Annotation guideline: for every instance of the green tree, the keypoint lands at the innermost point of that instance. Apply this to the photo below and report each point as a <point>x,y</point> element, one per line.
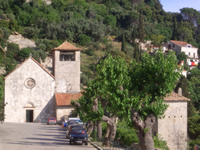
<point>9,64</point>
<point>12,50</point>
<point>183,57</point>
<point>174,35</point>
<point>84,39</point>
<point>123,43</point>
<point>151,79</point>
<point>191,15</point>
<point>194,86</point>
<point>141,27</point>
<point>157,39</point>
<point>194,130</point>
<point>24,53</point>
<point>184,85</point>
<point>105,95</point>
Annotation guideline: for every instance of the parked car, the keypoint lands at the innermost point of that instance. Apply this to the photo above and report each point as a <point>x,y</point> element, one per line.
<point>69,123</point>
<point>73,126</point>
<point>51,120</point>
<point>78,135</point>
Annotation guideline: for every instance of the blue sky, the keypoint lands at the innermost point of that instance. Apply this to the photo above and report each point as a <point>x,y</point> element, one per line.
<point>176,5</point>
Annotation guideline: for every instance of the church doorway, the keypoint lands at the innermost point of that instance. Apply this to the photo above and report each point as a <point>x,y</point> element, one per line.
<point>29,115</point>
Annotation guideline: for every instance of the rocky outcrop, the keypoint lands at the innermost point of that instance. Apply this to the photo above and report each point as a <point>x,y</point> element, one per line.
<point>21,41</point>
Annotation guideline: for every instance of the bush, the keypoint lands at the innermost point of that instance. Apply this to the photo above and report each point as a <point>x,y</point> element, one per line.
<point>110,20</point>
<point>84,39</point>
<point>12,50</point>
<point>194,130</point>
<point>126,133</point>
<point>90,52</point>
<point>84,79</point>
<point>160,143</point>
<point>24,53</point>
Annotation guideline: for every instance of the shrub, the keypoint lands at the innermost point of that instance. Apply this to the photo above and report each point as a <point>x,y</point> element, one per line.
<point>194,130</point>
<point>12,50</point>
<point>84,39</point>
<point>90,52</point>
<point>84,79</point>
<point>160,143</point>
<point>110,20</point>
<point>24,53</point>
<point>126,133</point>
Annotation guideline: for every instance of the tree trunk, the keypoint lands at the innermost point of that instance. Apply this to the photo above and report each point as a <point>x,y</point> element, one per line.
<point>144,130</point>
<point>99,130</point>
<point>89,128</point>
<point>106,141</point>
<point>111,130</point>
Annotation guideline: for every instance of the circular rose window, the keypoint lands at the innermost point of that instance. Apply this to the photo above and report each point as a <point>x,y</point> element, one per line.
<point>30,83</point>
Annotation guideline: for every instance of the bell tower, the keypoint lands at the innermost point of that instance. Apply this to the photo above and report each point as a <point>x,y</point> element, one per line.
<point>66,68</point>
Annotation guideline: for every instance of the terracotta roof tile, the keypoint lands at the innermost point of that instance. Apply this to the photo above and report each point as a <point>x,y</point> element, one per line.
<point>181,43</point>
<point>35,62</point>
<point>66,46</point>
<point>175,97</point>
<point>64,99</point>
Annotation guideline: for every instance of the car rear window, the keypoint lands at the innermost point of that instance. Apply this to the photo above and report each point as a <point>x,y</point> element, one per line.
<point>78,129</point>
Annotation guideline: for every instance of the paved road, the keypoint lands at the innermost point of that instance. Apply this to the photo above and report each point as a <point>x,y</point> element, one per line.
<point>35,136</point>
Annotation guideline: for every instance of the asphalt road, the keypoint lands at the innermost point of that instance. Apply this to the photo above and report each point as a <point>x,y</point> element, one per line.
<point>35,136</point>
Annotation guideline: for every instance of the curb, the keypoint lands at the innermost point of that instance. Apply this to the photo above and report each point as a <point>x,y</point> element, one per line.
<point>97,147</point>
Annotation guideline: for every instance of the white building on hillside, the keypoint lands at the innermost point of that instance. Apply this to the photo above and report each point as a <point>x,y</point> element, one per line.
<point>188,49</point>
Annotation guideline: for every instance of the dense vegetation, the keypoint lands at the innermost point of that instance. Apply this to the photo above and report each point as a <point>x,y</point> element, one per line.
<point>98,26</point>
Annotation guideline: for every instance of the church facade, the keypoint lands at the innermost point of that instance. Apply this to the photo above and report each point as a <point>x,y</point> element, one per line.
<point>32,94</point>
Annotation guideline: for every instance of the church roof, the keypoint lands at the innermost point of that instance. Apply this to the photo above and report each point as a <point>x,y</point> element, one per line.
<point>66,46</point>
<point>35,62</point>
<point>64,99</point>
<point>175,97</point>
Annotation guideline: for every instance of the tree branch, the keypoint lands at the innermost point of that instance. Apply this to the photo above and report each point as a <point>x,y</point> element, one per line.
<point>137,120</point>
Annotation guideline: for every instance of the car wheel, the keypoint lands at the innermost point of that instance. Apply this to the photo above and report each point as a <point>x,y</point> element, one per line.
<point>86,143</point>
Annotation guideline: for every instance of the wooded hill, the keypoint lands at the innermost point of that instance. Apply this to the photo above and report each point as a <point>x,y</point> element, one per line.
<point>93,24</point>
<point>97,26</point>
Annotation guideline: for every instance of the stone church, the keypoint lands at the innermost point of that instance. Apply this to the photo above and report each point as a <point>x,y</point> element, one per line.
<point>32,94</point>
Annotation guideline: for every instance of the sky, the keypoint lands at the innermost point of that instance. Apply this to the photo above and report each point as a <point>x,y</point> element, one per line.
<point>176,5</point>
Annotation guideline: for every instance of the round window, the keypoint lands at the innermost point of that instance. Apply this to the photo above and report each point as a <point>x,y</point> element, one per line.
<point>30,83</point>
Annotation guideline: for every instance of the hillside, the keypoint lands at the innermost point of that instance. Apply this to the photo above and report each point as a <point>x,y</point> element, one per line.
<point>99,28</point>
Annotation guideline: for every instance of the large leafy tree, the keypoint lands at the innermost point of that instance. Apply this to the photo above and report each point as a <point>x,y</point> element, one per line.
<point>138,95</point>
<point>151,79</point>
<point>106,95</point>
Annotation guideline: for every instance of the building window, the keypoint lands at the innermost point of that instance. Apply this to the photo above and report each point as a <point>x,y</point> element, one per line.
<point>173,45</point>
<point>29,83</point>
<point>67,56</point>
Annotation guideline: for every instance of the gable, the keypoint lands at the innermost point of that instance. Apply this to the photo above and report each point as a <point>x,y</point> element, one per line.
<point>24,64</point>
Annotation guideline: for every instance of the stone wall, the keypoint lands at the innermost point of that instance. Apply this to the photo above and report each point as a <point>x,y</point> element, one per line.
<point>63,111</point>
<point>173,128</point>
<point>29,87</point>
